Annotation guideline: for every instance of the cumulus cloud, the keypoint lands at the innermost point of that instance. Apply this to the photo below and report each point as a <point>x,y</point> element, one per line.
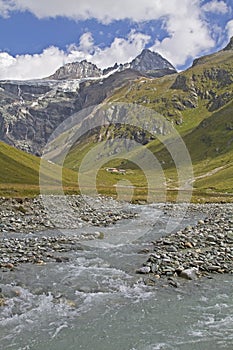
<point>38,66</point>
<point>103,10</point>
<point>30,66</point>
<point>188,34</point>
<point>5,8</point>
<point>121,50</point>
<point>215,6</point>
<point>6,60</point>
<point>229,28</point>
<point>86,43</point>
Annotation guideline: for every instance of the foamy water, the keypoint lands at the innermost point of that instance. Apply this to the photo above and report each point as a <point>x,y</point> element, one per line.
<point>96,301</point>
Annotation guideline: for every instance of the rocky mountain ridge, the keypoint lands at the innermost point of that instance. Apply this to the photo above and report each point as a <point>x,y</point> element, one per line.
<point>148,62</point>
<point>76,70</point>
<point>208,83</point>
<point>31,110</point>
<point>229,46</point>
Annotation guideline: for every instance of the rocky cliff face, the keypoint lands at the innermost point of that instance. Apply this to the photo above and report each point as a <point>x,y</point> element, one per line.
<point>31,111</point>
<point>213,84</point>
<point>149,62</point>
<point>77,70</point>
<point>229,46</point>
<point>210,79</point>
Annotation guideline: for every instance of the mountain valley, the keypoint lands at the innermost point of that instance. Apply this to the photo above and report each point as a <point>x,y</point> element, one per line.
<point>197,102</point>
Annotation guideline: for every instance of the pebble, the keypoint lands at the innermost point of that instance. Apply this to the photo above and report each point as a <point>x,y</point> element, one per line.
<point>189,274</point>
<point>2,302</point>
<point>195,251</point>
<point>144,270</point>
<point>29,215</point>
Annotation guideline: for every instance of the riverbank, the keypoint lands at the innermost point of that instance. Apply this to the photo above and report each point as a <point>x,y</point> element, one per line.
<point>28,216</point>
<point>192,252</point>
<point>65,286</point>
<point>196,251</point>
<point>25,215</point>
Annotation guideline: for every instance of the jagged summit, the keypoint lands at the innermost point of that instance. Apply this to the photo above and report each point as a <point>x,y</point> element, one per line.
<point>150,61</point>
<point>76,70</point>
<point>229,46</point>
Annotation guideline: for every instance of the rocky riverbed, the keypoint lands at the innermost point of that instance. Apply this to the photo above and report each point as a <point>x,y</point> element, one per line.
<point>195,251</point>
<point>27,216</point>
<point>67,285</point>
<point>192,252</point>
<point>48,212</point>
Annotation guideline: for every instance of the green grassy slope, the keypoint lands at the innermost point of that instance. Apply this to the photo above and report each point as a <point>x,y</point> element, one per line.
<point>185,98</point>
<point>199,103</point>
<point>18,167</point>
<point>19,175</point>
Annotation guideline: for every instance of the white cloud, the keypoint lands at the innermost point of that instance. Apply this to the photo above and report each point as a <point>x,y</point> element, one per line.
<point>229,28</point>
<point>6,60</point>
<point>188,34</point>
<point>103,10</point>
<point>215,6</point>
<point>6,7</point>
<point>86,43</point>
<point>30,66</point>
<point>37,66</point>
<point>107,10</point>
<point>121,50</point>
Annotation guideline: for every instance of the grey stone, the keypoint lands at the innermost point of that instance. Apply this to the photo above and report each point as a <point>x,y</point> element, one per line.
<point>189,274</point>
<point>144,270</point>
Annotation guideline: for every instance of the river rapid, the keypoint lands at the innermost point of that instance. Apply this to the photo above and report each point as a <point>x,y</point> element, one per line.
<point>96,300</point>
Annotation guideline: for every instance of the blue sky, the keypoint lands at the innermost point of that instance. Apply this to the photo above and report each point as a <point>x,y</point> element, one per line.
<point>37,37</point>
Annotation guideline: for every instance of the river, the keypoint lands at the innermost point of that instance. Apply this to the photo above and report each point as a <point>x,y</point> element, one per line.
<point>97,301</point>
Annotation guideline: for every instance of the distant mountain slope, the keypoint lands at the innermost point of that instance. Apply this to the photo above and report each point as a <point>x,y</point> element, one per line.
<point>148,62</point>
<point>18,166</point>
<point>76,70</point>
<point>205,87</point>
<point>31,110</point>
<point>213,137</point>
<point>152,63</point>
<point>199,103</point>
<point>210,144</point>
